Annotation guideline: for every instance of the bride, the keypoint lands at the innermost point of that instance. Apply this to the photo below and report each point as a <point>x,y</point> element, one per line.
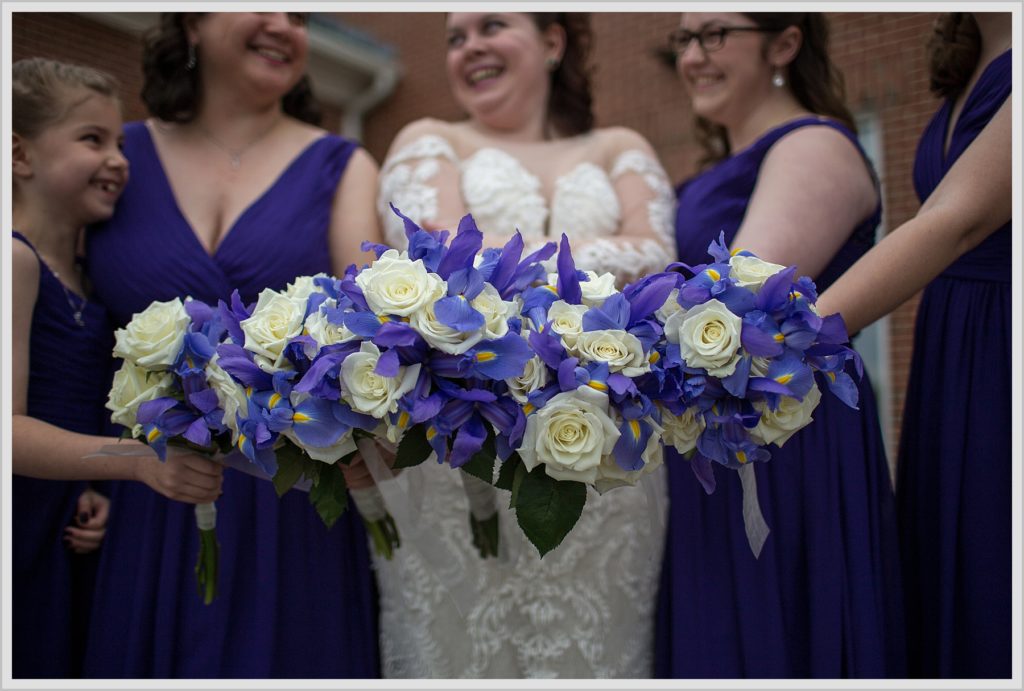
<point>526,158</point>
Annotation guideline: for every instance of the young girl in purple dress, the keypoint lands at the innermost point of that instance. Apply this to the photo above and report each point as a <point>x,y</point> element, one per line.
<point>68,171</point>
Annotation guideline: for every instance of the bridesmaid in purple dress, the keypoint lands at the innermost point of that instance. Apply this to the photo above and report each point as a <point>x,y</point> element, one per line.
<point>67,171</point>
<point>789,183</point>
<point>955,474</point>
<point>231,189</point>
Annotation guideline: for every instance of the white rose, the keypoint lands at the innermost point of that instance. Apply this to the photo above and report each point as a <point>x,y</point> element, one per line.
<point>368,392</point>
<point>620,349</point>
<point>303,286</point>
<point>395,285</point>
<point>230,395</point>
<point>276,320</point>
<point>133,386</point>
<point>791,416</point>
<point>682,431</point>
<point>670,307</point>
<point>495,310</point>
<point>441,336</point>
<point>708,336</point>
<point>570,435</point>
<point>595,290</point>
<point>567,321</point>
<point>611,475</point>
<point>759,366</point>
<point>325,332</point>
<point>534,377</point>
<point>153,338</point>
<point>751,272</point>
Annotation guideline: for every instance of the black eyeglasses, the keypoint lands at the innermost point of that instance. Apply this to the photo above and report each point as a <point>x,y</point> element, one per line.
<point>709,39</point>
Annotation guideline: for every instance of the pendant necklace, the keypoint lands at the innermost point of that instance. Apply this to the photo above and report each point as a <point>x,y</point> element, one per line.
<point>235,155</point>
<point>76,310</point>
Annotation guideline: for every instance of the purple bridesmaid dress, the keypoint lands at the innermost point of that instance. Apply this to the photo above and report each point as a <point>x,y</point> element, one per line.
<point>51,588</point>
<point>823,599</point>
<point>296,599</point>
<point>955,479</point>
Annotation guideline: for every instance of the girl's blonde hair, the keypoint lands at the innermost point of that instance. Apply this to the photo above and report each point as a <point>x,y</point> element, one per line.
<point>42,92</point>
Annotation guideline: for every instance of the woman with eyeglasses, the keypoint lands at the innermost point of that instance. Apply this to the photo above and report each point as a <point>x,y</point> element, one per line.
<point>786,179</point>
<point>235,187</point>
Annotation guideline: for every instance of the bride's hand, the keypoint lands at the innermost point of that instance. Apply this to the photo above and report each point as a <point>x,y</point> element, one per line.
<point>184,476</point>
<point>357,473</point>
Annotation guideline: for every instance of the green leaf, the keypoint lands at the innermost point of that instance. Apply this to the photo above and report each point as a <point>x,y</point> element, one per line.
<point>517,482</point>
<point>414,448</point>
<point>547,509</point>
<point>290,464</point>
<point>330,495</point>
<point>507,472</point>
<point>481,465</point>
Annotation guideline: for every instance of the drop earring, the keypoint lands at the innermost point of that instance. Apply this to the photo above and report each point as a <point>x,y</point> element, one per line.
<point>778,81</point>
<point>191,64</point>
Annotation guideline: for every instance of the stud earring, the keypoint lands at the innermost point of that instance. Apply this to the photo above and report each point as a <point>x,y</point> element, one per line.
<point>191,64</point>
<point>778,81</point>
<point>551,63</point>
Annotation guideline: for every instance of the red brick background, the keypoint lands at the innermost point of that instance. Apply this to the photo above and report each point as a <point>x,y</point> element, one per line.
<point>881,55</point>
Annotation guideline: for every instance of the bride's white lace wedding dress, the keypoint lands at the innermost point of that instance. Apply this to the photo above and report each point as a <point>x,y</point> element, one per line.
<point>587,608</point>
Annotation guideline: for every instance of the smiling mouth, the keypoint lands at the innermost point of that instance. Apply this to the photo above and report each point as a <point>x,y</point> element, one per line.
<point>479,75</point>
<point>272,54</point>
<point>109,186</point>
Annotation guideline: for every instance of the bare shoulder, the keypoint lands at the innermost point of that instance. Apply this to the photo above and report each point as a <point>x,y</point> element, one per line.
<point>424,127</point>
<point>362,163</point>
<point>615,141</point>
<point>819,148</point>
<point>24,263</point>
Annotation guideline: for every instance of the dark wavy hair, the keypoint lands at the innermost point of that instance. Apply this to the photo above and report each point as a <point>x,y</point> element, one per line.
<point>815,81</point>
<point>171,91</point>
<point>953,53</point>
<point>571,104</point>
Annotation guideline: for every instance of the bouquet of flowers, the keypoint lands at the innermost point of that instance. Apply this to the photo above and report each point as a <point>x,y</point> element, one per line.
<point>742,346</point>
<point>162,394</point>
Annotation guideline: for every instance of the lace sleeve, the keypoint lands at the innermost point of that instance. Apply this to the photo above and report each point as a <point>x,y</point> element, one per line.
<point>408,180</point>
<point>631,256</point>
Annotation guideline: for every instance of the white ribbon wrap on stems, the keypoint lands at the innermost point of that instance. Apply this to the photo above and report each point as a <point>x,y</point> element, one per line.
<point>370,503</point>
<point>753,520</point>
<point>206,516</point>
<point>481,497</point>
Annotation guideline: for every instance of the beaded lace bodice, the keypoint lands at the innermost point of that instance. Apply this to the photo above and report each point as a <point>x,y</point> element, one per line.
<point>502,195</point>
<point>587,608</point>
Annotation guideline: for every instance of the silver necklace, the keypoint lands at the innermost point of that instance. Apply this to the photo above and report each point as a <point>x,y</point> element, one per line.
<point>76,310</point>
<point>235,155</point>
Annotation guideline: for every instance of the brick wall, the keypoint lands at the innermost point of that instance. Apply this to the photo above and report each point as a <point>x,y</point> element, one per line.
<point>881,55</point>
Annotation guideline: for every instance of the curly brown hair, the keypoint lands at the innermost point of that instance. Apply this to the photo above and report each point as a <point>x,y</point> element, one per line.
<point>571,104</point>
<point>953,53</point>
<point>171,91</point>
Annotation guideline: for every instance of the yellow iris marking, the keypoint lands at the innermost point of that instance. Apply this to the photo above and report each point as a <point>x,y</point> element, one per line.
<point>655,356</point>
<point>779,338</point>
<point>485,356</point>
<point>153,435</point>
<point>735,251</point>
<point>741,457</point>
<point>634,426</point>
<point>274,400</point>
<point>431,432</point>
<point>784,378</point>
<point>553,289</point>
<point>528,408</point>
<point>403,419</point>
<point>714,274</point>
<point>384,320</point>
<point>300,418</point>
<point>241,440</point>
<point>831,375</point>
<point>248,392</point>
<point>597,385</point>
